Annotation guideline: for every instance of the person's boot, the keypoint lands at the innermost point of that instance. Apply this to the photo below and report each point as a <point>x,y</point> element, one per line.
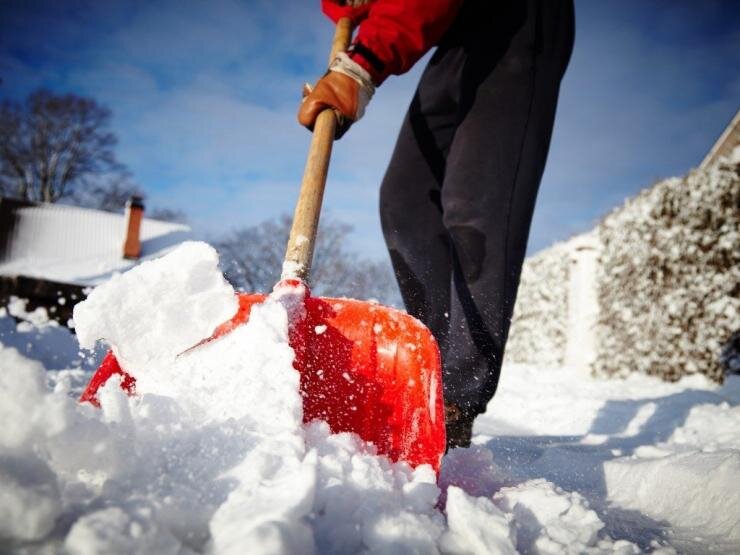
<point>459,427</point>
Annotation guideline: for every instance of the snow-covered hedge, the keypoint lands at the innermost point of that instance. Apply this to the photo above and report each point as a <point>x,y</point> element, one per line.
<point>538,327</point>
<point>669,275</point>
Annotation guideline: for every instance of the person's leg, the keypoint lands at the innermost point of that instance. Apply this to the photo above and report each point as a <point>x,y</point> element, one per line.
<point>496,77</point>
<point>492,175</point>
<point>411,192</point>
<point>410,195</point>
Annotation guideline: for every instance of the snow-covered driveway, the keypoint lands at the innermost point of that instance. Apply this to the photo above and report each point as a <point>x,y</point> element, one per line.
<point>212,456</point>
<point>658,462</point>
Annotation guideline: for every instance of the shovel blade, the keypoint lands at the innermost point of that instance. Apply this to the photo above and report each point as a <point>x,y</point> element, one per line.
<point>365,368</point>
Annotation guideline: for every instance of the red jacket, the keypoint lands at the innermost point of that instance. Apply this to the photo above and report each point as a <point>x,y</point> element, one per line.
<point>394,34</point>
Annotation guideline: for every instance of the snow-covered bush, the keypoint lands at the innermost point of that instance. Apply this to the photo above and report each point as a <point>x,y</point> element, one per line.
<point>669,275</point>
<point>538,327</point>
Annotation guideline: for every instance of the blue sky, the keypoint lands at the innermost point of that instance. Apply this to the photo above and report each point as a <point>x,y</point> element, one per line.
<point>204,96</point>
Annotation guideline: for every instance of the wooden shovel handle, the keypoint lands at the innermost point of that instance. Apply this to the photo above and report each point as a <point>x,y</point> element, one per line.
<point>299,253</point>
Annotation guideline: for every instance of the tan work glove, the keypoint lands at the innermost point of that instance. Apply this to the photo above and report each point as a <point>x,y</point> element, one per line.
<point>346,88</point>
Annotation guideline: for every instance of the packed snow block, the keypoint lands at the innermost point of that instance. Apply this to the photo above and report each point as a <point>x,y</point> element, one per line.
<point>476,526</point>
<point>692,489</point>
<point>158,309</point>
<point>711,427</point>
<point>549,520</point>
<point>668,277</point>
<point>539,324</point>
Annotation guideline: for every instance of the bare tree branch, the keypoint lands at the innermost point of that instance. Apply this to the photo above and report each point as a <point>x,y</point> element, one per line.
<point>108,193</point>
<point>52,145</point>
<point>252,261</point>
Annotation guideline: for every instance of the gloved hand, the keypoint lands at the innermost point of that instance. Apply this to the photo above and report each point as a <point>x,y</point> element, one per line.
<point>346,88</point>
<point>356,10</point>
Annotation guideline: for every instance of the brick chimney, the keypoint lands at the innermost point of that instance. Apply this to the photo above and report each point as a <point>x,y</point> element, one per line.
<point>134,215</point>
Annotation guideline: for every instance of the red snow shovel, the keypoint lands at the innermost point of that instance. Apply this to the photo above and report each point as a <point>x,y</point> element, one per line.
<point>365,368</point>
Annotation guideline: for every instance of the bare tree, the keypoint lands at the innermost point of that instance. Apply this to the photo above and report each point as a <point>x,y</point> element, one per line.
<point>53,143</point>
<point>111,192</point>
<point>168,215</point>
<point>252,261</point>
<point>58,147</point>
<point>252,257</point>
<point>108,193</point>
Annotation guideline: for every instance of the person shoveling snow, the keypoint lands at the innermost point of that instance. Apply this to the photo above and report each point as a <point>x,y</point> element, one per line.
<point>457,198</point>
<point>462,285</point>
<point>219,447</point>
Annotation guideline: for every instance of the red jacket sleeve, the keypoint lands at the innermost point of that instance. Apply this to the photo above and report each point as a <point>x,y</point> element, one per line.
<point>396,33</point>
<point>336,11</point>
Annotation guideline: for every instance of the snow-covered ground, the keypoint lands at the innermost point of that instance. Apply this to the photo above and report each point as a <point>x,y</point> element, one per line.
<point>658,462</point>
<point>212,456</point>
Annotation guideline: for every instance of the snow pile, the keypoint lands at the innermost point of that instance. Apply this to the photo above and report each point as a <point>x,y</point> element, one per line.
<point>702,459</point>
<point>212,455</point>
<point>538,326</point>
<point>541,510</point>
<point>668,277</point>
<point>658,462</point>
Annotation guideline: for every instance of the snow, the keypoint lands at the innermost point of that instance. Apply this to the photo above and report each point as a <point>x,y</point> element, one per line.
<point>37,337</point>
<point>476,525</point>
<point>654,459</point>
<point>212,455</point>
<point>190,295</point>
<point>77,245</point>
<point>291,269</point>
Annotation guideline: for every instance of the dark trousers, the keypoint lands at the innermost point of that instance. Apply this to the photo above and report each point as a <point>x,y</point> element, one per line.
<point>457,199</point>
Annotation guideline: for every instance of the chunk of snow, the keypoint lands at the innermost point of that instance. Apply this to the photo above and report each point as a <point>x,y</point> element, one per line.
<point>291,269</point>
<point>38,317</point>
<point>667,488</point>
<point>158,309</point>
<point>476,526</point>
<point>30,500</point>
<point>550,520</point>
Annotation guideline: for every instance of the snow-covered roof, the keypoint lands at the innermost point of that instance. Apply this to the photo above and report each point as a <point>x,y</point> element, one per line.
<point>74,245</point>
<point>727,144</point>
